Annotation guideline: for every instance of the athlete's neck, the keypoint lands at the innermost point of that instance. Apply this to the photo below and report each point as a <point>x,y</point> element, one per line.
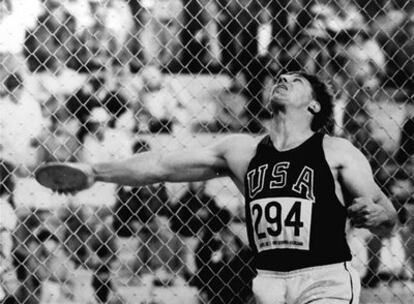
<point>287,132</point>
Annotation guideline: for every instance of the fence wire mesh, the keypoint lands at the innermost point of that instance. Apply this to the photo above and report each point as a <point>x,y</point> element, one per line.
<point>99,80</point>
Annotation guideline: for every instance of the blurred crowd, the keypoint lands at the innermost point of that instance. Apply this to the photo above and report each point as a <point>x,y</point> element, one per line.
<point>144,240</point>
<point>81,79</point>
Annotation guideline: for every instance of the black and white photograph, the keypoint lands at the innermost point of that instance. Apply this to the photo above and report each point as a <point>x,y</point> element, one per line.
<point>206,152</point>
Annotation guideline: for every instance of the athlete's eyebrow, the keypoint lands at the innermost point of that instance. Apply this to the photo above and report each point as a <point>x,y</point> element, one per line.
<point>304,80</point>
<point>297,77</point>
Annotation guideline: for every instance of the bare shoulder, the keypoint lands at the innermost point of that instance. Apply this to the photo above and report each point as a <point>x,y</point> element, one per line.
<point>238,150</point>
<point>238,146</point>
<point>339,150</point>
<point>337,144</point>
<point>243,141</point>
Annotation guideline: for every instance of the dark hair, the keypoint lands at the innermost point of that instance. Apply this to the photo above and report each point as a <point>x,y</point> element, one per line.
<point>323,95</point>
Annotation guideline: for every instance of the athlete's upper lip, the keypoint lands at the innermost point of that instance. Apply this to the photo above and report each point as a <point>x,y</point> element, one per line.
<point>281,85</point>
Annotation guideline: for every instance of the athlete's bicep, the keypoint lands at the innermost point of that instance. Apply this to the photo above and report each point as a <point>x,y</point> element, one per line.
<point>152,167</point>
<point>227,157</point>
<point>356,175</point>
<point>193,165</point>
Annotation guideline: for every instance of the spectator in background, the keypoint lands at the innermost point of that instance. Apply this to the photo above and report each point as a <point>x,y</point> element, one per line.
<point>25,260</point>
<point>137,12</point>
<point>142,212</point>
<point>98,43</point>
<point>208,36</point>
<point>161,256</point>
<point>228,33</point>
<point>405,151</point>
<point>371,9</point>
<point>54,269</point>
<point>48,45</point>
<point>17,17</point>
<point>133,55</point>
<point>86,98</point>
<point>256,21</point>
<point>8,222</point>
<point>335,16</point>
<point>361,135</point>
<point>229,115</point>
<point>366,60</point>
<point>93,135</point>
<point>224,274</point>
<point>136,206</point>
<point>99,141</point>
<point>132,89</point>
<point>77,230</point>
<point>193,50</point>
<point>401,191</point>
<point>114,102</point>
<point>117,18</point>
<point>160,34</point>
<point>158,108</point>
<point>104,38</point>
<point>59,142</point>
<point>21,122</point>
<point>291,23</point>
<point>194,209</point>
<point>398,47</point>
<point>126,84</point>
<point>213,37</point>
<point>25,263</point>
<point>103,250</point>
<point>360,56</point>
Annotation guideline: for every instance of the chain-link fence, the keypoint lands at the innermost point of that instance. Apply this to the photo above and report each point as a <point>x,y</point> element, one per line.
<point>99,80</point>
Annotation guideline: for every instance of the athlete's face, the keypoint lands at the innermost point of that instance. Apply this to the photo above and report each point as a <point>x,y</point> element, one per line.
<point>291,90</point>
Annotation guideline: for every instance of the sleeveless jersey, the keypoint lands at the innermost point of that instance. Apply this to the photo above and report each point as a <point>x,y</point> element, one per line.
<point>294,218</point>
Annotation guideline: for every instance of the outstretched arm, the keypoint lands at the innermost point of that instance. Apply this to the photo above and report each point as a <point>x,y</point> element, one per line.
<point>370,208</point>
<point>153,167</point>
<point>228,157</point>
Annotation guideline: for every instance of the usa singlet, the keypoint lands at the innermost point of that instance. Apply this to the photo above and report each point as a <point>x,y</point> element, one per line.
<point>293,215</point>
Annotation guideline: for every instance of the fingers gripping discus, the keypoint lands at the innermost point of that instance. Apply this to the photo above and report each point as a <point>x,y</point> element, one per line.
<point>65,177</point>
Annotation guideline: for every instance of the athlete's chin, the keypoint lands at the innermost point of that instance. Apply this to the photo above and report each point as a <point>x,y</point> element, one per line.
<point>277,104</point>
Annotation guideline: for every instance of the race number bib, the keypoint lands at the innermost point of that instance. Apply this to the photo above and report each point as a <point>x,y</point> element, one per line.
<point>283,222</point>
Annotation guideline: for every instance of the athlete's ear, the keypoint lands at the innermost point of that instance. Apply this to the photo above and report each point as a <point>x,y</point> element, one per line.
<point>314,107</point>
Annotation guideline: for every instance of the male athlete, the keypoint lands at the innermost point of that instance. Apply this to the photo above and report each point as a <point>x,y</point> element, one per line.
<point>299,185</point>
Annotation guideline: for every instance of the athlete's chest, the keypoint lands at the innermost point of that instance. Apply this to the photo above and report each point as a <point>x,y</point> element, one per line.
<point>282,177</point>
<point>281,195</point>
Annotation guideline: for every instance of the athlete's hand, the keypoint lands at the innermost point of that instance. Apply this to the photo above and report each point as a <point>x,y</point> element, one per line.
<point>87,169</point>
<point>364,213</point>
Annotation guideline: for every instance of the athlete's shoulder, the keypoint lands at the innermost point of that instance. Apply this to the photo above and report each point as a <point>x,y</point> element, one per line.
<point>239,142</point>
<point>237,150</point>
<point>337,144</point>
<point>340,149</point>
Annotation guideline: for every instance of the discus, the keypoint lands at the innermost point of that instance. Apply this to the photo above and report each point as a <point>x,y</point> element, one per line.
<point>64,177</point>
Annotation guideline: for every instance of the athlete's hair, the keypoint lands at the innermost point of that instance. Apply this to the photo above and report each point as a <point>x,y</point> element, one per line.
<point>322,94</point>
